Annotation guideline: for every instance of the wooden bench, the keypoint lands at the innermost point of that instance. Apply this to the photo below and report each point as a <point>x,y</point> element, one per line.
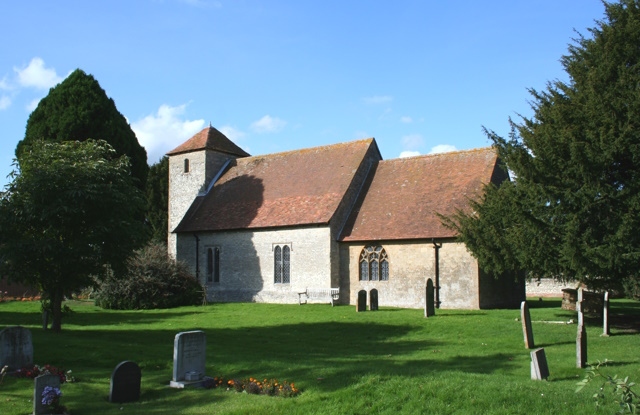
<point>325,294</point>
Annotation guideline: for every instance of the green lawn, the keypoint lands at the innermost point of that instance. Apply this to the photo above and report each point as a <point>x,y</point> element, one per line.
<point>391,361</point>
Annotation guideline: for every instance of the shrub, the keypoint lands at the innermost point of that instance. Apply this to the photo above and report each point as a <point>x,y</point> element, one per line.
<point>152,280</point>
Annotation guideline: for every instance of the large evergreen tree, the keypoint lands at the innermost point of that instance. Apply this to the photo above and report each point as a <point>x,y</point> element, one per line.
<point>71,208</point>
<point>78,109</point>
<point>573,209</point>
<point>158,200</point>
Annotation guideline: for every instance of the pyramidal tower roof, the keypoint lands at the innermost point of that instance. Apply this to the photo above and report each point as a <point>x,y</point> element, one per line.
<point>209,139</point>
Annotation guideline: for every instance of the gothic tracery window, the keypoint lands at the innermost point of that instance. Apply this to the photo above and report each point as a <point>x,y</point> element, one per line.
<point>374,264</point>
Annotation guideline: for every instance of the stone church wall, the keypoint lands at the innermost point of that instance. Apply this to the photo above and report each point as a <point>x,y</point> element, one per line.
<point>410,264</point>
<point>247,263</point>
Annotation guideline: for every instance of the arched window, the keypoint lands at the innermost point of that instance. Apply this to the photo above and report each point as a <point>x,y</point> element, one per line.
<point>186,165</point>
<point>282,264</point>
<point>277,265</point>
<point>374,264</point>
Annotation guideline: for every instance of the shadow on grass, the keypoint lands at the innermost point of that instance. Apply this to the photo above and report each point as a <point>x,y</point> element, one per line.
<point>544,303</point>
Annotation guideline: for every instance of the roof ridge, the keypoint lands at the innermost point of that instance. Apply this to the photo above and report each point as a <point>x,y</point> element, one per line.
<point>444,154</point>
<point>308,149</point>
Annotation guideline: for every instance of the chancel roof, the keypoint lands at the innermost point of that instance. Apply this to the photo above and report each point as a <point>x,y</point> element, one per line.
<point>284,189</point>
<point>209,139</point>
<point>403,196</point>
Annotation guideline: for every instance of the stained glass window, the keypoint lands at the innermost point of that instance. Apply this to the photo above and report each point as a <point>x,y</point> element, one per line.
<point>216,265</point>
<point>374,264</point>
<point>209,265</point>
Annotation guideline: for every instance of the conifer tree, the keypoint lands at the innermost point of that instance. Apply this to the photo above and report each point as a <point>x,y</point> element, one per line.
<point>573,208</point>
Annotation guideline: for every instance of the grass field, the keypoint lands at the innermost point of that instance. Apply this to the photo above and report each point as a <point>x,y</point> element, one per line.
<point>392,361</point>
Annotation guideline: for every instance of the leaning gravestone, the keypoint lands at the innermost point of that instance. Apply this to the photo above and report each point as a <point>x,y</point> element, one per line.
<point>526,325</point>
<point>581,338</point>
<point>362,301</point>
<point>189,349</point>
<point>373,300</point>
<point>429,303</point>
<point>539,368</point>
<point>125,383</point>
<point>16,348</point>
<point>39,384</point>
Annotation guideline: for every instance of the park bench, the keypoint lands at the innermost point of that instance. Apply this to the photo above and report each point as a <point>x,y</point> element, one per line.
<point>320,294</point>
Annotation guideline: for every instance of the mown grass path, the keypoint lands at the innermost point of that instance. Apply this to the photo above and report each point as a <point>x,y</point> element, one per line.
<point>391,361</point>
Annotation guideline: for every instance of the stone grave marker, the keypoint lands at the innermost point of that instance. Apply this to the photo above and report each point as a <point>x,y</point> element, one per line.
<point>125,383</point>
<point>581,347</point>
<point>362,301</point>
<point>429,303</point>
<point>373,300</point>
<point>16,348</point>
<point>606,330</point>
<point>580,307</point>
<point>526,325</point>
<point>539,368</point>
<point>39,384</point>
<point>189,349</point>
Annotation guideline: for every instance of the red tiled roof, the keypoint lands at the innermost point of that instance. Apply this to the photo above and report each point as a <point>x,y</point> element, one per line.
<point>283,189</point>
<point>210,139</point>
<point>405,194</point>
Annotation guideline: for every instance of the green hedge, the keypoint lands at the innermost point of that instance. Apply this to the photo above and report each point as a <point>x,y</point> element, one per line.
<point>153,280</point>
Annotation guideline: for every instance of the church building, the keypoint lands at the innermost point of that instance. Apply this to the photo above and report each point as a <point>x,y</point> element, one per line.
<point>265,228</point>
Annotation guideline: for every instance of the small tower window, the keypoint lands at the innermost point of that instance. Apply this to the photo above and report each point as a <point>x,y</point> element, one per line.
<point>186,165</point>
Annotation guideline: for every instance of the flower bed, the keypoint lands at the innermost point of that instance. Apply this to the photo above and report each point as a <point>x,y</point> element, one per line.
<point>270,387</point>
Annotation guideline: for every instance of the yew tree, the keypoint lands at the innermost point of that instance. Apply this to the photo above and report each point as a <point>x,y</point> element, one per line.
<point>71,208</point>
<point>573,208</point>
<point>78,109</point>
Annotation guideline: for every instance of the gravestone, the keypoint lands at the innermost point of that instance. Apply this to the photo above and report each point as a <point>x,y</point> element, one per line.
<point>16,348</point>
<point>373,300</point>
<point>362,301</point>
<point>429,303</point>
<point>606,331</point>
<point>39,384</point>
<point>539,367</point>
<point>189,349</point>
<point>580,307</point>
<point>125,383</point>
<point>526,325</point>
<point>581,348</point>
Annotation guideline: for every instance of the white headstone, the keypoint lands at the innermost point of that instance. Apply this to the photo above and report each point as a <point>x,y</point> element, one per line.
<point>39,384</point>
<point>189,349</point>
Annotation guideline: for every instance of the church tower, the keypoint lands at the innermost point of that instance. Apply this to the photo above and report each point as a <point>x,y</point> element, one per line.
<point>193,166</point>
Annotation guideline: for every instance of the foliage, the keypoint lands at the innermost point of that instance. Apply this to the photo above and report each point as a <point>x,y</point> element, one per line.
<point>35,371</point>
<point>152,280</point>
<point>51,398</point>
<point>573,210</point>
<point>70,208</point>
<point>624,396</point>
<point>157,192</point>
<point>78,109</point>
<point>252,386</point>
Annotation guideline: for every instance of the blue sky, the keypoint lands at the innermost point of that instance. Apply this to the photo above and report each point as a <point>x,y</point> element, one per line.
<point>419,76</point>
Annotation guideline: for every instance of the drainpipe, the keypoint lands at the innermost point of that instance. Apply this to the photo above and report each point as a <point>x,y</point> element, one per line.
<point>436,250</point>
<point>197,257</point>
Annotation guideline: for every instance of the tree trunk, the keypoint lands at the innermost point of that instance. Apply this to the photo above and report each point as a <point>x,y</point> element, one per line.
<point>56,310</point>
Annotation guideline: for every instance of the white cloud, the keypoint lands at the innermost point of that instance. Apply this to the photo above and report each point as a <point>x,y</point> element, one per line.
<point>442,148</point>
<point>268,124</point>
<point>377,99</point>
<point>5,102</point>
<point>4,85</point>
<point>35,75</point>
<point>234,135</point>
<point>165,130</point>
<point>33,104</point>
<point>406,120</point>
<point>412,141</point>
<point>409,154</point>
